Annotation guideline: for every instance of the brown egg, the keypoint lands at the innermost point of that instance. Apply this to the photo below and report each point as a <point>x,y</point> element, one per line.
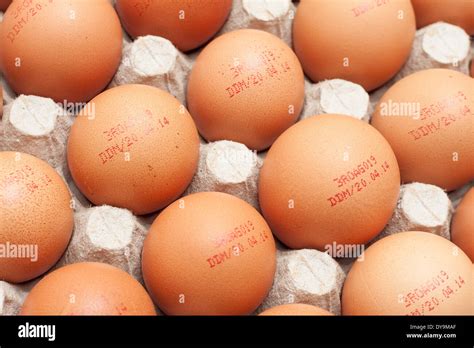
<point>246,86</point>
<point>295,309</point>
<point>88,288</point>
<point>36,218</point>
<point>186,23</point>
<point>458,12</point>
<point>1,100</point>
<point>338,39</point>
<point>133,147</point>
<point>209,253</point>
<point>410,273</point>
<point>329,178</point>
<point>462,226</point>
<point>4,4</point>
<point>65,50</point>
<point>428,119</point>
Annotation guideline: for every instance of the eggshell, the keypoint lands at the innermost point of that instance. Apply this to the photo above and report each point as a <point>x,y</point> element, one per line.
<point>88,288</point>
<point>64,50</point>
<point>338,39</point>
<point>295,309</point>
<point>329,178</point>
<point>1,100</point>
<point>4,4</point>
<point>428,119</point>
<point>209,253</point>
<point>462,227</point>
<point>458,12</point>
<point>36,218</point>
<point>246,86</point>
<point>410,273</point>
<point>134,147</point>
<point>186,23</point>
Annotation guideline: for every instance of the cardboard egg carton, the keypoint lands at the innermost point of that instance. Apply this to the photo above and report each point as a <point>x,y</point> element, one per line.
<point>306,276</point>
<point>154,61</point>
<point>107,234</point>
<point>420,207</point>
<point>12,296</point>
<point>228,166</point>
<point>275,17</point>
<point>336,97</point>
<point>37,126</point>
<point>436,46</point>
<point>112,235</point>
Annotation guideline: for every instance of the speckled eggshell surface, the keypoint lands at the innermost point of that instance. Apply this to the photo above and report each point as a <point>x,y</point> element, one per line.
<point>209,253</point>
<point>186,23</point>
<point>410,273</point>
<point>360,41</point>
<point>328,178</point>
<point>36,219</point>
<point>133,147</point>
<point>428,119</point>
<point>462,225</point>
<point>88,288</point>
<point>457,12</point>
<point>246,86</point>
<point>64,50</point>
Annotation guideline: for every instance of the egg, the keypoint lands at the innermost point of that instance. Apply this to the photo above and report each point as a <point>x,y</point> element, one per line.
<point>64,50</point>
<point>1,100</point>
<point>410,273</point>
<point>462,226</point>
<point>209,253</point>
<point>134,147</point>
<point>295,309</point>
<point>428,119</point>
<point>246,86</point>
<point>337,39</point>
<point>36,219</point>
<point>328,179</point>
<point>186,23</point>
<point>4,4</point>
<point>458,12</point>
<point>88,288</point>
